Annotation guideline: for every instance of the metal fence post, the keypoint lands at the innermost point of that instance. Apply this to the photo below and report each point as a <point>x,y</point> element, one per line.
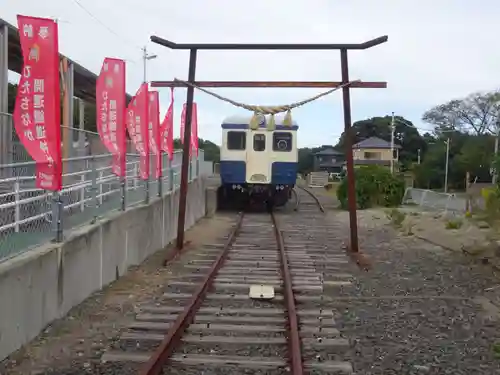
<point>190,178</point>
<point>17,208</point>
<point>160,178</point>
<point>93,194</point>
<point>170,176</point>
<point>123,185</point>
<point>82,192</point>
<point>57,210</point>
<point>146,189</point>
<point>99,186</point>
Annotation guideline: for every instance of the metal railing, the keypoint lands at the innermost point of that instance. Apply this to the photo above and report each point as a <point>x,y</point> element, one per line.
<point>31,216</point>
<point>434,200</point>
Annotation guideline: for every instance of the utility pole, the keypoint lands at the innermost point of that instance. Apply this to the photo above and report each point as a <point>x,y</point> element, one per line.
<point>495,154</point>
<point>446,167</point>
<point>145,58</point>
<point>393,126</point>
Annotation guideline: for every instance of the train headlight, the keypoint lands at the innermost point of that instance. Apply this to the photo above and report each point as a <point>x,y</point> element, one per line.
<point>282,145</point>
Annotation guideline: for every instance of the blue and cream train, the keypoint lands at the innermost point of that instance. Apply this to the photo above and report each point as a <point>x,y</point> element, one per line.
<point>257,165</point>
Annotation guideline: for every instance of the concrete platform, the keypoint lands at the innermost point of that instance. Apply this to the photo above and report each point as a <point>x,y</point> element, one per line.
<point>44,283</point>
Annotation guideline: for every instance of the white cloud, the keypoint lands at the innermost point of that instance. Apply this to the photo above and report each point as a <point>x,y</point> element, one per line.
<point>436,51</point>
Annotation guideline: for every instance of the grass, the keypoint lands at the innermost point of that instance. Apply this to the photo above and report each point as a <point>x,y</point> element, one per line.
<point>454,224</point>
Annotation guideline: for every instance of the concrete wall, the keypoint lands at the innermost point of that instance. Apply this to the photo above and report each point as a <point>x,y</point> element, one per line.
<point>46,282</point>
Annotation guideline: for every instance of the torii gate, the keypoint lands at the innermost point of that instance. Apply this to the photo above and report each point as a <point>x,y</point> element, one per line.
<point>195,47</point>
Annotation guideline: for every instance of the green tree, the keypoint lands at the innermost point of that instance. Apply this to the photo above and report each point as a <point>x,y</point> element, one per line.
<point>306,159</point>
<point>476,113</point>
<point>211,150</point>
<point>375,186</point>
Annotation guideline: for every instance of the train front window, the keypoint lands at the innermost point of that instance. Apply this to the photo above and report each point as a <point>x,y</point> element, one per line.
<point>282,141</point>
<point>259,142</point>
<point>236,140</point>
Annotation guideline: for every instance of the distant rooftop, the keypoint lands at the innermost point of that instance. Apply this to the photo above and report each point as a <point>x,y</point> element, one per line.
<point>328,151</point>
<point>374,142</point>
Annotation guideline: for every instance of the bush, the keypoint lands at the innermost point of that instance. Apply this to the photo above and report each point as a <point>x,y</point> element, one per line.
<point>375,186</point>
<point>491,198</point>
<point>396,217</point>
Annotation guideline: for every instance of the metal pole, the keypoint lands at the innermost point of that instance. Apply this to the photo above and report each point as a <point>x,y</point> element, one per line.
<point>6,124</point>
<point>144,60</point>
<point>446,167</point>
<point>57,210</point>
<point>392,142</point>
<point>495,155</point>
<point>185,151</point>
<point>351,191</point>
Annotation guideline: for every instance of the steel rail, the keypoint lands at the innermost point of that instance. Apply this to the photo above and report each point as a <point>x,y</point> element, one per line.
<point>316,199</point>
<point>297,200</point>
<point>295,351</point>
<point>359,258</point>
<point>155,364</point>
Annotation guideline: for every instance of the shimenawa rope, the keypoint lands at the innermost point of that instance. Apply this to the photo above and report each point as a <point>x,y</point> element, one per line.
<point>267,110</point>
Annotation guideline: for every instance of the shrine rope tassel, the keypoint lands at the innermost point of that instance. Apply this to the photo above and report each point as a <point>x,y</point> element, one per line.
<point>268,110</point>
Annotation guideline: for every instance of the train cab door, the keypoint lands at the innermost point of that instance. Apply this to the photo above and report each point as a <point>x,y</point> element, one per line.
<point>258,169</point>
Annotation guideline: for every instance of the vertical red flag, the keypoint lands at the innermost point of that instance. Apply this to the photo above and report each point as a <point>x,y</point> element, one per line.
<point>183,121</point>
<point>37,116</point>
<point>110,100</point>
<point>137,125</point>
<point>194,129</point>
<point>167,129</point>
<point>154,130</point>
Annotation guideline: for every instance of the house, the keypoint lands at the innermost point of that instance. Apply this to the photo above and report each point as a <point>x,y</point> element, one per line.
<point>329,160</point>
<point>376,151</point>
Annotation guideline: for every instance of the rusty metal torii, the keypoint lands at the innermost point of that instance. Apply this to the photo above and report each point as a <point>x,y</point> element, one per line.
<point>195,47</point>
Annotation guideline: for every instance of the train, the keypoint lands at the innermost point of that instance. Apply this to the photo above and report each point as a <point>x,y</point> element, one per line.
<point>257,166</point>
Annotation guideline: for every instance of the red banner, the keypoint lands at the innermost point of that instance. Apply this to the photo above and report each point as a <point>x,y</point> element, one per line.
<point>183,121</point>
<point>110,100</point>
<point>37,116</point>
<point>167,129</point>
<point>194,127</point>
<point>137,125</point>
<point>154,130</point>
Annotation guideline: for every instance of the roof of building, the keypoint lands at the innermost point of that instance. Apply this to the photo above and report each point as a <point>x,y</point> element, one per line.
<point>329,151</point>
<point>374,142</point>
<point>84,79</point>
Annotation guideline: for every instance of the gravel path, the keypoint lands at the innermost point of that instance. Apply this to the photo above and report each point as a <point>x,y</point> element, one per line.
<point>397,325</point>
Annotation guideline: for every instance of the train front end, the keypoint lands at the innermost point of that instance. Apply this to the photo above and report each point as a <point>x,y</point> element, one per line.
<point>257,166</point>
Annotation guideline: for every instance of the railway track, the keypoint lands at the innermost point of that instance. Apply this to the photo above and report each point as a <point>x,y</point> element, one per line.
<point>207,323</point>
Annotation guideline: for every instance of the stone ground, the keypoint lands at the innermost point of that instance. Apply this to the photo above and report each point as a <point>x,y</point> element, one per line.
<point>80,338</point>
<point>422,309</point>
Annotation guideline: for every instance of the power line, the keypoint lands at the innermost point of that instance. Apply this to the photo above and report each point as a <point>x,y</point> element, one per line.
<point>125,40</point>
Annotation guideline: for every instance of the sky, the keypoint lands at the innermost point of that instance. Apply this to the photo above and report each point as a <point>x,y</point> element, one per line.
<point>437,51</point>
